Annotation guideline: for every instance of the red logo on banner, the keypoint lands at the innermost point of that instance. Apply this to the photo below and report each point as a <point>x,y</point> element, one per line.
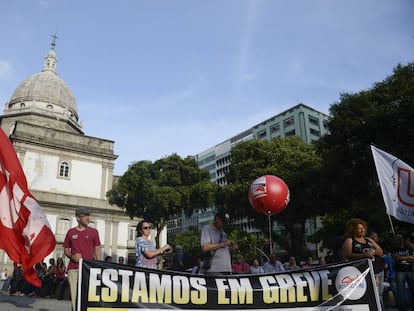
<point>404,187</point>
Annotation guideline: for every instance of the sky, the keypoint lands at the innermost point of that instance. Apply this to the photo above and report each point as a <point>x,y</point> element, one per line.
<point>180,76</point>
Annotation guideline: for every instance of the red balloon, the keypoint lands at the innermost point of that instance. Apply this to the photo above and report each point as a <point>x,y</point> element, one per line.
<point>269,195</point>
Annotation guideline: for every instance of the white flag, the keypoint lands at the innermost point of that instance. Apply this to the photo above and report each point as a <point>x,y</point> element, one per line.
<point>396,179</point>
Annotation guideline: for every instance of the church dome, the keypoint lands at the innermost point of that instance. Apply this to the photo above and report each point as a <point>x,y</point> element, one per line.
<point>45,87</point>
<point>46,96</point>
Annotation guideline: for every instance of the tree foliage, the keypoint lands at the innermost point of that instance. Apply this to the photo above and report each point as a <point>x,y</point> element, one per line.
<point>298,165</point>
<point>249,243</point>
<point>160,190</point>
<point>189,240</point>
<point>336,179</point>
<point>383,116</point>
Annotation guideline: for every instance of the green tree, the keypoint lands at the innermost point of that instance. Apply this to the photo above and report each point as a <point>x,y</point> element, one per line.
<point>189,240</point>
<point>382,115</point>
<point>248,243</point>
<point>298,165</point>
<point>160,190</point>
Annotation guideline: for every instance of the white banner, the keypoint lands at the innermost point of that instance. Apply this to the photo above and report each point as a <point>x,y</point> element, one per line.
<point>105,286</point>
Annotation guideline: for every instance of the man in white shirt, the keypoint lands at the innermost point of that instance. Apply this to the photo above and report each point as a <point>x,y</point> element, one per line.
<point>214,240</point>
<point>4,275</point>
<point>256,268</point>
<point>273,265</point>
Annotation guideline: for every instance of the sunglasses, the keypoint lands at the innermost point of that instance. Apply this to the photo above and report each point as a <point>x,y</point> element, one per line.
<point>146,228</point>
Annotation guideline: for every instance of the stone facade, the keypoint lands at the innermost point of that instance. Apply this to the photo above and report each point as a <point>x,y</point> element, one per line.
<point>65,169</point>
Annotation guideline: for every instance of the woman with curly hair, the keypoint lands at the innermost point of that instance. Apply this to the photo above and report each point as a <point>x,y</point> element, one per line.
<point>358,245</point>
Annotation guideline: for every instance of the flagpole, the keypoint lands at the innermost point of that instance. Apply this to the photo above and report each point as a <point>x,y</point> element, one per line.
<point>392,226</point>
<point>270,234</point>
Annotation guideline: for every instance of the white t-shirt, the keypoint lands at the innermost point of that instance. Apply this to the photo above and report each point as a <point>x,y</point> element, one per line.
<point>4,276</point>
<point>270,268</point>
<point>221,261</point>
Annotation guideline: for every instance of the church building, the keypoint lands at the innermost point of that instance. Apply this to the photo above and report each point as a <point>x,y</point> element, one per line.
<point>65,169</point>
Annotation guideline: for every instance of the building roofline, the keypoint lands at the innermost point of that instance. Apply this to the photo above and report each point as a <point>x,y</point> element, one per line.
<point>249,131</point>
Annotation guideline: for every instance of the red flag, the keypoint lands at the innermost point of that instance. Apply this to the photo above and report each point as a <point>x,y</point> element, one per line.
<point>25,232</point>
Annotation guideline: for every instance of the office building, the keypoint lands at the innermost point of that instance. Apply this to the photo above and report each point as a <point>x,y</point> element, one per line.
<point>300,120</point>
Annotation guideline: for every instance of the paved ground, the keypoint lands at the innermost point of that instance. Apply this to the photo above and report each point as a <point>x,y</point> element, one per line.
<point>22,303</point>
<point>13,303</point>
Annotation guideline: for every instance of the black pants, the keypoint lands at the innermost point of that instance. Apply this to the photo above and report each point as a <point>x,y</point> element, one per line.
<point>17,282</point>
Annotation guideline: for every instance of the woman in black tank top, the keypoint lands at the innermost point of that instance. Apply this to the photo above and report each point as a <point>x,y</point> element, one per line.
<point>357,245</point>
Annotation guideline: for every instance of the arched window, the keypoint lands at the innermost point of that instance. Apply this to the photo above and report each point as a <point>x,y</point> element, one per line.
<point>64,169</point>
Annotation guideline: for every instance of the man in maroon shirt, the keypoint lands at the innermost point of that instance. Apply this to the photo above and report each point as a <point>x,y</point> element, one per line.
<point>80,242</point>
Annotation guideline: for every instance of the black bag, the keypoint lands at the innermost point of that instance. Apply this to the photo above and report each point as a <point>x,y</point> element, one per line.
<point>206,259</point>
<point>378,264</point>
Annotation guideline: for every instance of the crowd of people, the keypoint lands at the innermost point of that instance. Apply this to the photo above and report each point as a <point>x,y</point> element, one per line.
<point>52,277</point>
<point>393,264</point>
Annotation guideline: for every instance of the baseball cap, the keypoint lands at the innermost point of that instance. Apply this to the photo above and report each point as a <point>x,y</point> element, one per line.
<point>222,215</point>
<point>82,211</point>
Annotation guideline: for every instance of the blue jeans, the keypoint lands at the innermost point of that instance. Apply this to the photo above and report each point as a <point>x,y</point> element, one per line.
<point>402,300</point>
<point>7,284</point>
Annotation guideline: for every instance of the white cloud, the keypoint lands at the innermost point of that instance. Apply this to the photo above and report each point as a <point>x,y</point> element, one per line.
<point>248,77</point>
<point>252,18</point>
<point>43,3</point>
<point>5,69</point>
